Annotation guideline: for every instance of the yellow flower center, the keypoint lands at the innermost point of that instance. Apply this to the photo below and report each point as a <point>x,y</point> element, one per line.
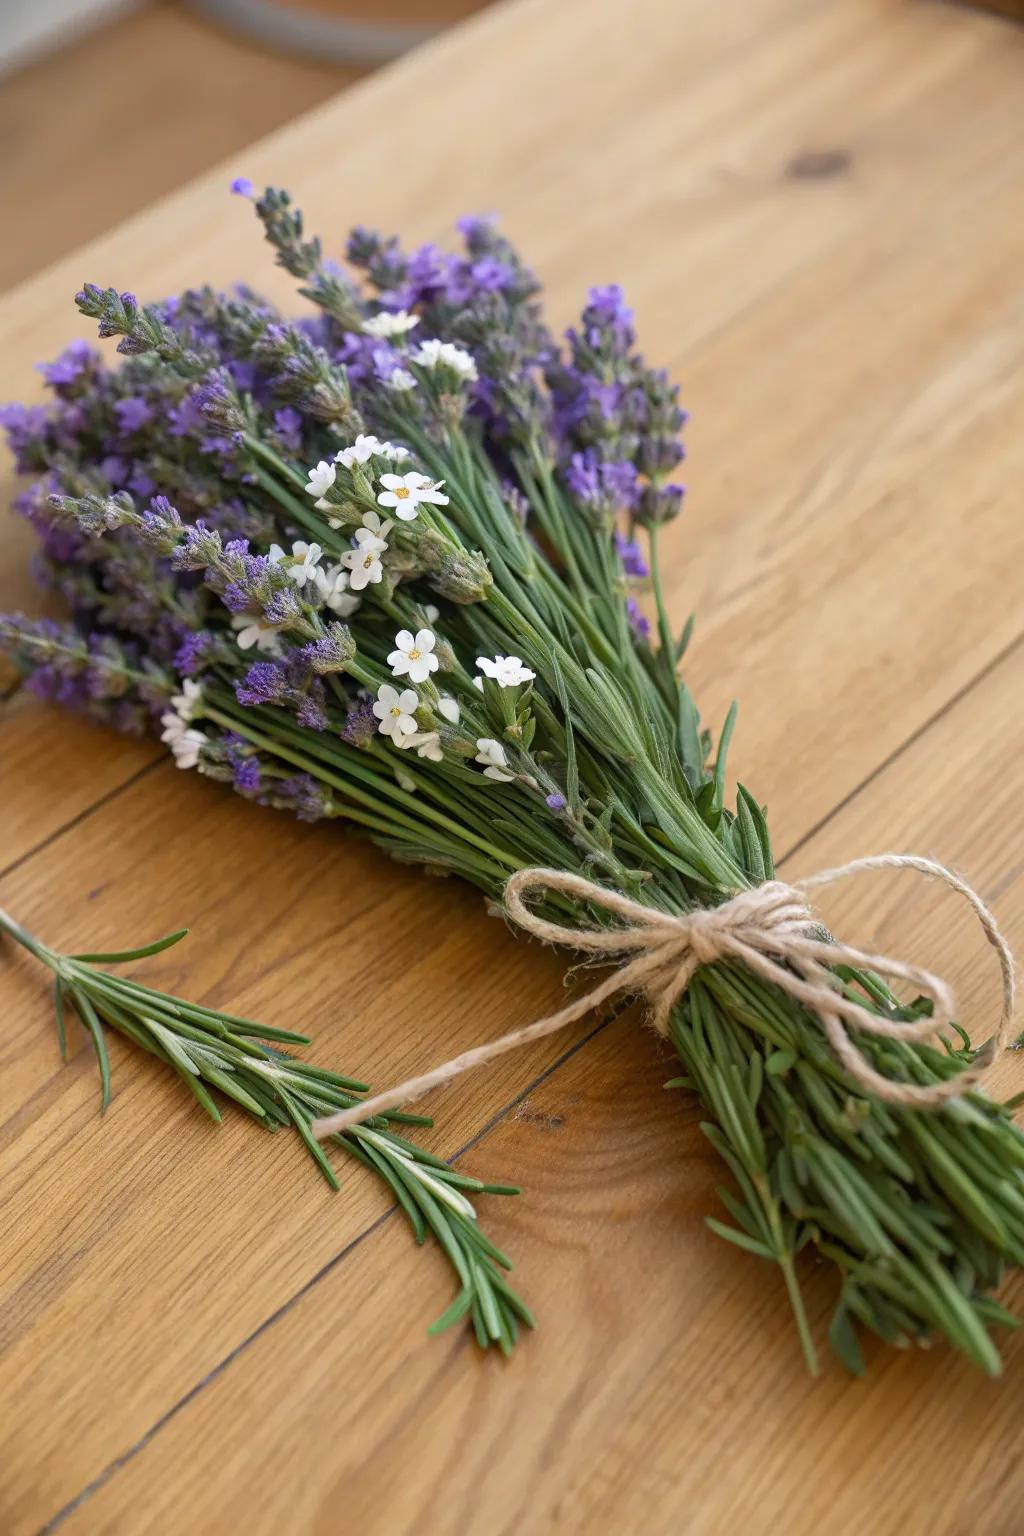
<point>402,492</point>
<point>414,655</point>
<point>395,711</point>
<point>368,561</point>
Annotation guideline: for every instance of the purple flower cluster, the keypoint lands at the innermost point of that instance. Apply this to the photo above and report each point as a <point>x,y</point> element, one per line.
<point>162,488</point>
<point>618,422</point>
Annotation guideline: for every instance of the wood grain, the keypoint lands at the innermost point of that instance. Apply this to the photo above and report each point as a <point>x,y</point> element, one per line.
<point>817,214</point>
<point>98,129</point>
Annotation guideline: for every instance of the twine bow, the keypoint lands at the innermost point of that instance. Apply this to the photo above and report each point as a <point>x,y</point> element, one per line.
<point>770,930</point>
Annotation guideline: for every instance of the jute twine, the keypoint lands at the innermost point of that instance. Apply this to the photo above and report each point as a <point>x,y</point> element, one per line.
<point>770,930</point>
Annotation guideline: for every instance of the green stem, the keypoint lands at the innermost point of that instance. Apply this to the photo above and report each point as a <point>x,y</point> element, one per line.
<point>27,940</point>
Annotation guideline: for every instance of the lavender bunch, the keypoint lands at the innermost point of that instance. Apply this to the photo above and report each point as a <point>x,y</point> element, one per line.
<point>382,565</point>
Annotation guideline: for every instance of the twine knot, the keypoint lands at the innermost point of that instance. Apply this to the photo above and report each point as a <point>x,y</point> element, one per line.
<point>772,932</point>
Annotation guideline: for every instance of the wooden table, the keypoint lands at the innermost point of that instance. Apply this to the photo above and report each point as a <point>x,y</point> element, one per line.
<point>817,211</point>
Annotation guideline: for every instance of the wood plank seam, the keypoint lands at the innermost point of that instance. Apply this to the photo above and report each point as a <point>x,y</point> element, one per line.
<point>482,1134</point>
<point>892,757</point>
<point>83,815</point>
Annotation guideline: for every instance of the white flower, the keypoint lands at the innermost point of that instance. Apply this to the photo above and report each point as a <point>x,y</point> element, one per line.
<point>173,727</point>
<point>492,754</point>
<point>364,448</point>
<point>449,708</point>
<point>390,323</point>
<point>186,703</point>
<point>275,554</point>
<point>378,525</point>
<point>394,451</point>
<point>254,631</point>
<point>401,379</point>
<point>306,558</point>
<point>414,655</point>
<point>433,353</point>
<point>321,478</point>
<point>405,492</point>
<point>185,744</point>
<point>507,671</point>
<point>395,711</point>
<point>427,744</point>
<point>187,747</point>
<point>431,613</point>
<point>364,561</point>
<point>332,585</point>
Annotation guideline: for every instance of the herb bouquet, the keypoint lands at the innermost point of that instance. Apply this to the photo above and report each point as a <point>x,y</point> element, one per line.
<point>379,565</point>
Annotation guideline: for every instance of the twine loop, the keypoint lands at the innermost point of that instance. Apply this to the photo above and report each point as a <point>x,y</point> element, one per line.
<point>772,932</point>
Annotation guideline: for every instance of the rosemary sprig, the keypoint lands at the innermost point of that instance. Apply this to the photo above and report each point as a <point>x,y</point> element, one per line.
<point>212,1051</point>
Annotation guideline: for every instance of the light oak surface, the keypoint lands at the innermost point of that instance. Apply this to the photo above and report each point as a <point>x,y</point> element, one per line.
<point>817,212</point>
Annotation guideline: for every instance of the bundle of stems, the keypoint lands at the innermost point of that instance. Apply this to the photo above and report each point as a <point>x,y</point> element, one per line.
<point>430,522</point>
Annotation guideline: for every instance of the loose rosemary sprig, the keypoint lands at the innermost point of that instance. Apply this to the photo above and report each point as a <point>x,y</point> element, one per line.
<point>213,1050</point>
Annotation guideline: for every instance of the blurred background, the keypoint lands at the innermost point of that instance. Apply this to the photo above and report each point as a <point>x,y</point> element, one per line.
<point>148,93</point>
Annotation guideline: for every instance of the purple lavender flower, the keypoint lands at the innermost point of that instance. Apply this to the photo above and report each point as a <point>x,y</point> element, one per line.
<point>583,478</point>
<point>25,427</point>
<point>309,800</point>
<point>288,426</point>
<point>194,652</point>
<point>77,360</point>
<point>640,625</point>
<point>555,802</point>
<point>247,776</point>
<point>264,683</point>
<point>491,275</point>
<point>310,711</point>
<point>133,413</point>
<point>631,555</point>
<point>660,503</point>
<point>360,726</point>
<point>242,187</point>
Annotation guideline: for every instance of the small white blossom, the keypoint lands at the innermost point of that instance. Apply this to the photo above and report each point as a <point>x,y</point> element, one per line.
<point>413,655</point>
<point>395,711</point>
<point>401,379</point>
<point>390,323</point>
<point>254,631</point>
<point>275,554</point>
<point>332,586</point>
<point>405,492</point>
<point>507,671</point>
<point>186,703</point>
<point>173,726</point>
<point>184,743</point>
<point>187,747</point>
<point>321,478</point>
<point>492,754</point>
<point>449,708</point>
<point>306,558</point>
<point>364,562</point>
<point>427,744</point>
<point>394,451</point>
<point>431,354</point>
<point>364,448</point>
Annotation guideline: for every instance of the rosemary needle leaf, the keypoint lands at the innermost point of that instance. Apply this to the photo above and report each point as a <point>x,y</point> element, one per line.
<point>133,954</point>
<point>58,1008</point>
<point>741,1239</point>
<point>87,1013</point>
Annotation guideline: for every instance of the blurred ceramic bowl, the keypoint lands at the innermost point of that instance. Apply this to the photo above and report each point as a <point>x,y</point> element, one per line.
<point>353,31</point>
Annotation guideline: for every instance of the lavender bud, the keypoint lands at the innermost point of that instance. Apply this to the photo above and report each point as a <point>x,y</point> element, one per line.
<point>332,652</point>
<point>462,576</point>
<point>96,515</point>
